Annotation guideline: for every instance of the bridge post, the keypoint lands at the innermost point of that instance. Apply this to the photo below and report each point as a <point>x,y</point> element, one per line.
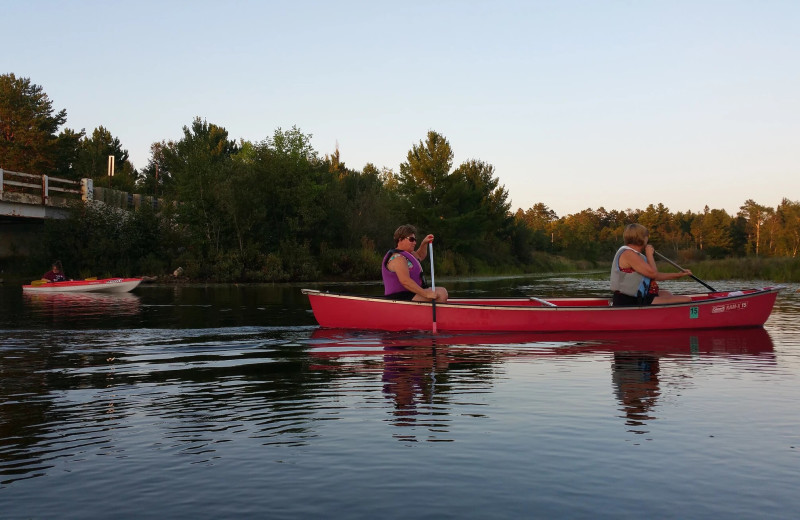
<point>45,185</point>
<point>1,183</point>
<point>87,190</point>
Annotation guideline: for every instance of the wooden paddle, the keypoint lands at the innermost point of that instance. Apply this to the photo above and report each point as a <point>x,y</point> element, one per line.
<point>433,286</point>
<point>676,266</point>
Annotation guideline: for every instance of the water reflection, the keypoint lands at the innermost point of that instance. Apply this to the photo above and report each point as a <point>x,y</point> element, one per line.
<point>210,392</point>
<point>62,395</point>
<point>418,368</point>
<point>334,343</point>
<point>635,377</point>
<point>77,305</point>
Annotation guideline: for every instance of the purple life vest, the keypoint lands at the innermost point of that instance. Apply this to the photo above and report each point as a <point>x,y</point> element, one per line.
<point>391,284</point>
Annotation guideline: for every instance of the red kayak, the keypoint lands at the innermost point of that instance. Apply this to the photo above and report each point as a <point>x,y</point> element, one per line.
<point>745,308</point>
<point>113,285</point>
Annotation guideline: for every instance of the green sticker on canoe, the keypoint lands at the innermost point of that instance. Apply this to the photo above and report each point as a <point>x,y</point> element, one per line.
<point>694,312</point>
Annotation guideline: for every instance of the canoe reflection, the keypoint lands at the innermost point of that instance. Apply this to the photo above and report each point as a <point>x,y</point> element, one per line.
<point>75,305</point>
<point>751,340</point>
<point>412,364</point>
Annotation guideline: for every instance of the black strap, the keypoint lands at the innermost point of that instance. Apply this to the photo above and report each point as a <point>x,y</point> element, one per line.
<point>388,256</point>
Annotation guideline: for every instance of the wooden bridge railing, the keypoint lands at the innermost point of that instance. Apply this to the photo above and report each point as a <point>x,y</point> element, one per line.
<point>41,189</point>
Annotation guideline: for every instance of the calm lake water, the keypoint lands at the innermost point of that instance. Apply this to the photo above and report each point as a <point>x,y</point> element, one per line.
<point>228,401</point>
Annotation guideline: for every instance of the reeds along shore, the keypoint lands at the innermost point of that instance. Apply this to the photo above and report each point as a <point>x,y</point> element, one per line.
<point>774,270</point>
<point>782,270</point>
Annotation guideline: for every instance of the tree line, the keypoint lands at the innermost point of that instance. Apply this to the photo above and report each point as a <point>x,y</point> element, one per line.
<point>277,209</point>
<point>755,230</point>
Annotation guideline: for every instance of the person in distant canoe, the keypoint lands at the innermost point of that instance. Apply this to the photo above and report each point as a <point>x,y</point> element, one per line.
<point>402,271</point>
<point>634,273</point>
<point>55,274</point>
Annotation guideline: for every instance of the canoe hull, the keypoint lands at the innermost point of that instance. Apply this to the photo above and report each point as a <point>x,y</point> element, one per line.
<point>715,310</point>
<point>105,285</point>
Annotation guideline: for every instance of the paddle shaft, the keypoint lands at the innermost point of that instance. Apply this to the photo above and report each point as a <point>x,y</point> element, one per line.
<point>433,287</point>
<point>676,266</point>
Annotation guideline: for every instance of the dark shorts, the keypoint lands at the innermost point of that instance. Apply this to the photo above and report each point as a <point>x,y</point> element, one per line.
<point>623,300</point>
<point>403,295</point>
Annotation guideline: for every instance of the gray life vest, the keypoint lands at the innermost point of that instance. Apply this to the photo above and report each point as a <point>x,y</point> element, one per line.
<point>632,284</point>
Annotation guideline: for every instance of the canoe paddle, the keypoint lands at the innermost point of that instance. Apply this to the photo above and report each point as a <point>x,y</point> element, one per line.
<point>433,286</point>
<point>676,266</point>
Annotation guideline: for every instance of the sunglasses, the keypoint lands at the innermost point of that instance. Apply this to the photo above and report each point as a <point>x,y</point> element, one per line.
<point>411,239</point>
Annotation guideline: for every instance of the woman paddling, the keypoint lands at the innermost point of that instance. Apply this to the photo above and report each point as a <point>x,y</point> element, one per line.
<point>55,274</point>
<point>402,271</point>
<point>634,273</point>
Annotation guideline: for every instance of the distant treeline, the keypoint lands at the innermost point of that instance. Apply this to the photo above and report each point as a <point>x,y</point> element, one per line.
<point>755,230</point>
<point>276,210</point>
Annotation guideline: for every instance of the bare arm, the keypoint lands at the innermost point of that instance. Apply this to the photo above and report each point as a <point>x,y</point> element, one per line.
<point>648,268</point>
<point>399,266</point>
<point>422,251</point>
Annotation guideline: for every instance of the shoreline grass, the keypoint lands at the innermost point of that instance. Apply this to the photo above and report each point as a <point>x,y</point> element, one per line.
<point>784,270</point>
<point>779,270</point>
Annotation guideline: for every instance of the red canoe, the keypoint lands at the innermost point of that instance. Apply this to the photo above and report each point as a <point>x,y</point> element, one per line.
<point>746,308</point>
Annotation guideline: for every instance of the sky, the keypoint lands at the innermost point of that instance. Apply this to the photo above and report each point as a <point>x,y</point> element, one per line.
<point>577,104</point>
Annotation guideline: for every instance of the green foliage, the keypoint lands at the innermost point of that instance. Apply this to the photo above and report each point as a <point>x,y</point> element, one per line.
<point>755,216</point>
<point>577,236</point>
<point>298,261</point>
<point>423,177</point>
<point>29,141</point>
<point>450,263</point>
<point>244,207</point>
<point>155,178</point>
<point>787,222</point>
<point>781,270</point>
<point>466,209</point>
<point>200,164</point>
<point>714,234</point>
<point>92,161</point>
<point>101,241</point>
<point>66,153</point>
<point>358,264</point>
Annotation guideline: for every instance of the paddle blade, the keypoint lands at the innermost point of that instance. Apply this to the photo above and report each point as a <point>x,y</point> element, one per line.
<point>37,283</point>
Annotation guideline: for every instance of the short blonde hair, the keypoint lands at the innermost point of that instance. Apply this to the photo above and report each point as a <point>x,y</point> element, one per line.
<point>406,230</point>
<point>635,234</point>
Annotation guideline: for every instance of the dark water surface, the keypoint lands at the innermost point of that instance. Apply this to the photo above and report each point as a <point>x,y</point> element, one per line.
<point>228,401</point>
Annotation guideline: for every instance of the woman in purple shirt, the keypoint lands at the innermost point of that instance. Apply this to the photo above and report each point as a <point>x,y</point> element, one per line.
<point>402,271</point>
